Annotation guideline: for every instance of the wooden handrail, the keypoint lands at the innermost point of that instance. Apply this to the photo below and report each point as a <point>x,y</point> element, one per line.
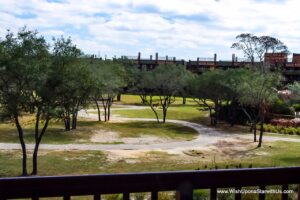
<point>183,181</point>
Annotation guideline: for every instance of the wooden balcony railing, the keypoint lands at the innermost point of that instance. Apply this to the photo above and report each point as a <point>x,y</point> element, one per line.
<point>182,181</point>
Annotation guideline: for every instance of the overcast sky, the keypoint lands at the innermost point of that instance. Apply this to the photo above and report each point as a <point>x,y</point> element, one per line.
<point>181,28</point>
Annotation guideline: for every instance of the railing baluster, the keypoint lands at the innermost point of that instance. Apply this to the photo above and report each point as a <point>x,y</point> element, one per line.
<point>97,197</point>
<point>262,196</point>
<point>213,193</point>
<point>67,197</point>
<point>154,195</point>
<point>299,192</point>
<point>186,194</point>
<point>126,196</point>
<point>238,195</point>
<point>284,196</point>
<point>177,195</point>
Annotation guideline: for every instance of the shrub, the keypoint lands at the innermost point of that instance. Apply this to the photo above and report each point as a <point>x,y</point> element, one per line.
<point>296,107</point>
<point>232,114</point>
<point>298,131</point>
<point>280,129</point>
<point>291,131</point>
<point>282,108</point>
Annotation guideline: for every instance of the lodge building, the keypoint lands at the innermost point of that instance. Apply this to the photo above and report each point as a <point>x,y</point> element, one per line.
<point>290,67</point>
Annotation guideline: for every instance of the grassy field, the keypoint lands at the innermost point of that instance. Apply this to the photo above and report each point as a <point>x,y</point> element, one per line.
<point>190,113</point>
<point>139,129</point>
<point>136,100</point>
<point>91,162</point>
<point>86,129</point>
<point>98,162</point>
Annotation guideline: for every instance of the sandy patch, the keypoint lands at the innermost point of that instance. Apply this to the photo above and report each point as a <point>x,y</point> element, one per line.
<point>128,156</point>
<point>102,136</point>
<point>222,150</point>
<point>147,139</point>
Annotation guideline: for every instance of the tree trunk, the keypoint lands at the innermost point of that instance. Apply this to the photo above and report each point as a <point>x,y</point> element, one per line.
<point>217,110</point>
<point>105,114</point>
<point>74,119</point>
<point>119,97</point>
<point>164,114</point>
<point>67,122</point>
<point>143,98</point>
<point>108,108</point>
<point>36,149</point>
<point>23,146</point>
<point>105,108</point>
<point>261,129</point>
<point>253,123</point>
<point>98,109</point>
<point>152,108</point>
<point>183,100</point>
<point>254,130</point>
<point>165,105</point>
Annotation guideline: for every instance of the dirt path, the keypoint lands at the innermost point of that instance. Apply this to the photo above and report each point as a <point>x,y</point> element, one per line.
<point>207,137</point>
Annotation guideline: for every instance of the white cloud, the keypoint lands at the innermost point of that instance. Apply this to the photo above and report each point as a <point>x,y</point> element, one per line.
<point>189,29</point>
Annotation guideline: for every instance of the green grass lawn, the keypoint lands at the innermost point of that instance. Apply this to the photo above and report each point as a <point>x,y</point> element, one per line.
<point>85,129</point>
<point>190,113</point>
<point>136,100</point>
<point>139,129</point>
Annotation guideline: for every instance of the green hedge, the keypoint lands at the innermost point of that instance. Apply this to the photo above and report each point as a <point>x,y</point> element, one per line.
<point>282,108</point>
<point>281,130</point>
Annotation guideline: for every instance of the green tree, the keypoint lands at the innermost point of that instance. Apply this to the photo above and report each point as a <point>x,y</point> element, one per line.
<point>249,45</point>
<point>71,76</point>
<point>259,91</point>
<point>255,47</point>
<point>24,65</point>
<point>108,78</point>
<point>166,82</point>
<point>97,85</point>
<point>295,91</point>
<point>211,86</point>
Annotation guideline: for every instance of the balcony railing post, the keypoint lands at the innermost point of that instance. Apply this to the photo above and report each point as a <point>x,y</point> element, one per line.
<point>97,197</point>
<point>213,193</point>
<point>126,196</point>
<point>299,192</point>
<point>154,195</point>
<point>185,192</point>
<point>262,195</point>
<point>238,195</point>
<point>67,197</point>
<point>284,195</point>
